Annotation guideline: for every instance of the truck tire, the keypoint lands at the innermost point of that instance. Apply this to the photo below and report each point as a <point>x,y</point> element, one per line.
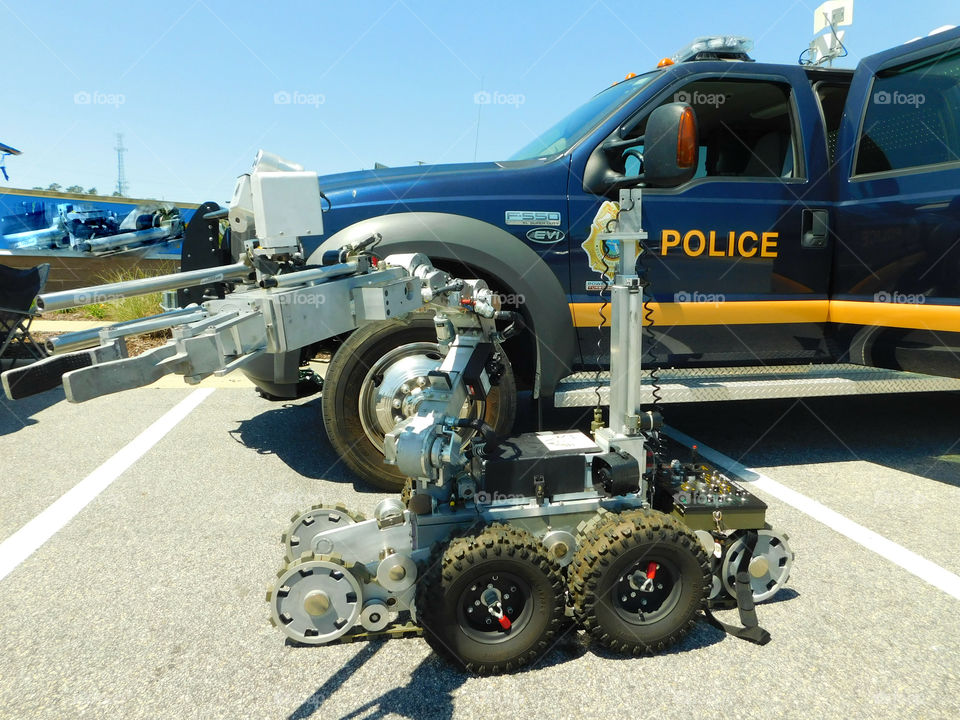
<point>406,347</point>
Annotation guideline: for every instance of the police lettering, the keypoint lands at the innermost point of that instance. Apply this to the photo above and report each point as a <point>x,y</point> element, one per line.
<point>698,243</point>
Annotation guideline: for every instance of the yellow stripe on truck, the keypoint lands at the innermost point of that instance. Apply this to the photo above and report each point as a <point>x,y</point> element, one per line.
<point>752,312</point>
<point>915,315</point>
<point>944,318</point>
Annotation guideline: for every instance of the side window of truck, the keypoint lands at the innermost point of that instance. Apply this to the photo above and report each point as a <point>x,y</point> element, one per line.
<point>912,117</point>
<point>746,128</point>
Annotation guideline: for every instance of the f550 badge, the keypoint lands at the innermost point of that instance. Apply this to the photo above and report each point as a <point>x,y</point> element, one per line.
<point>533,217</point>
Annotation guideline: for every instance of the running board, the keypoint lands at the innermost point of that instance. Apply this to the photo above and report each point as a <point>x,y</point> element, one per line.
<point>756,383</point>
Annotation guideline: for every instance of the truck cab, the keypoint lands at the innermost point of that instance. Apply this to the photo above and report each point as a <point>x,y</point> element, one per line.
<point>820,225</point>
<point>824,203</point>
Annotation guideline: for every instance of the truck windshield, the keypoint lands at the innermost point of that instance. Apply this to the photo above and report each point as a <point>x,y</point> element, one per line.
<point>566,133</point>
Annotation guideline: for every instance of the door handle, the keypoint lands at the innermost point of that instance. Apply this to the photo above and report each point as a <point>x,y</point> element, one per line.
<point>816,227</point>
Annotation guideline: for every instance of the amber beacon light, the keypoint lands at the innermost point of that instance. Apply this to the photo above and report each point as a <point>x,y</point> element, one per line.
<point>687,139</point>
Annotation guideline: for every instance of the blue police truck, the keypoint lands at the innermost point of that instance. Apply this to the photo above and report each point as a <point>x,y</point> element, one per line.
<point>811,217</point>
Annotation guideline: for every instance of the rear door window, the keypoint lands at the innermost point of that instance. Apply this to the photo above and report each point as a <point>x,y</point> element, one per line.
<point>912,118</point>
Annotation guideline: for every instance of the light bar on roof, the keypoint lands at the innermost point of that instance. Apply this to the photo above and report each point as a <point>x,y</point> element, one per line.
<point>717,47</point>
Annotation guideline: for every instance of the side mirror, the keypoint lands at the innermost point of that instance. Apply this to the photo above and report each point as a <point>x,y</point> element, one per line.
<point>671,146</point>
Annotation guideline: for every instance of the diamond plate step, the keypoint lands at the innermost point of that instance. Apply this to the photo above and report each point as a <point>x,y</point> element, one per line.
<point>758,383</point>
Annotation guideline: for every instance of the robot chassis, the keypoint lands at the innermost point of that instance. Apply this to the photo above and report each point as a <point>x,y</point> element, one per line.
<point>496,544</point>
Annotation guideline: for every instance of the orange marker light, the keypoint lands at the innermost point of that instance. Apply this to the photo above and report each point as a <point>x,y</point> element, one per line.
<point>687,139</point>
<point>666,62</point>
<point>630,76</point>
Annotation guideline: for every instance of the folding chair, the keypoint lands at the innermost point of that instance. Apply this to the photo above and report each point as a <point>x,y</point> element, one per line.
<point>18,290</point>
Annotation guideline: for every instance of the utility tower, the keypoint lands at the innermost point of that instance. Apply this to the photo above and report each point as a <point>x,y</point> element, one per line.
<point>121,174</point>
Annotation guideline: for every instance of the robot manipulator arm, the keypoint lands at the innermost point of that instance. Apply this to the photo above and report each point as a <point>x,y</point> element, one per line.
<point>428,443</point>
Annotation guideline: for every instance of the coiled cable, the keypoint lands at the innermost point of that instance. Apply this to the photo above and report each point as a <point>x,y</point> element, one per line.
<point>605,301</point>
<point>649,355</point>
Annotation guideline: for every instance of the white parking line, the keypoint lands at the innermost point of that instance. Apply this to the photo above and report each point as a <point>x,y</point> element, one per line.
<point>22,544</point>
<point>930,572</point>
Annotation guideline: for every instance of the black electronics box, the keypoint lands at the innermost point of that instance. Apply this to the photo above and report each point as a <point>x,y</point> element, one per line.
<point>552,461</point>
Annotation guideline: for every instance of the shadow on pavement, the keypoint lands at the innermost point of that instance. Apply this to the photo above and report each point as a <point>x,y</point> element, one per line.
<point>782,595</point>
<point>428,693</point>
<point>294,432</point>
<point>917,434</point>
<point>17,414</point>
<point>700,636</point>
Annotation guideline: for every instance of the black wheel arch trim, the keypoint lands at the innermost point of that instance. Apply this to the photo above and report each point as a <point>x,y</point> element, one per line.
<point>478,244</point>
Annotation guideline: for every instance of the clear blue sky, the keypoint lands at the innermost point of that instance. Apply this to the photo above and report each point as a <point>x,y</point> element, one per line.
<point>194,84</point>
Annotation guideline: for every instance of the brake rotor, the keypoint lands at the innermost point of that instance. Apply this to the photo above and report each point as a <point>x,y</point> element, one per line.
<point>769,567</point>
<point>315,600</point>
<point>306,525</point>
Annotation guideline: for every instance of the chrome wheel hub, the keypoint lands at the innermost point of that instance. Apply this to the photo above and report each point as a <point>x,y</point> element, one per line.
<point>394,387</point>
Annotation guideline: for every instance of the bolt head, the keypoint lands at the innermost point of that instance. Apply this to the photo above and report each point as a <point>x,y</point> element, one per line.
<point>317,603</point>
<point>759,566</point>
<point>397,573</point>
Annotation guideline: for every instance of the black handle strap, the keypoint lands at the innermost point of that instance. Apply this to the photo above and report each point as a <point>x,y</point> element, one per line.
<point>751,630</point>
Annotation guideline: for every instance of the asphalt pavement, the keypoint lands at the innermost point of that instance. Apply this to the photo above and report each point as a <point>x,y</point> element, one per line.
<point>149,602</point>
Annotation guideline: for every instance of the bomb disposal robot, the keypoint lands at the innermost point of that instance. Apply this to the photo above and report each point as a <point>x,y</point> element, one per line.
<point>496,542</point>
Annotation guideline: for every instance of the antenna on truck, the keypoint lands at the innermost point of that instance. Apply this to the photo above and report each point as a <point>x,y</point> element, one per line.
<point>828,46</point>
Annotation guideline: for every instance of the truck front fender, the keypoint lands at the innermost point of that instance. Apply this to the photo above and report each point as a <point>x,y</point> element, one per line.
<point>492,252</point>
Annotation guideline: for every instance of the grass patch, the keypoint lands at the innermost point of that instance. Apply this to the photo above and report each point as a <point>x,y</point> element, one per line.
<point>129,308</point>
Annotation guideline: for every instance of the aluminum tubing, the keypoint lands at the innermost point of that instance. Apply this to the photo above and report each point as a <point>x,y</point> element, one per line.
<point>69,342</point>
<point>304,276</point>
<point>634,356</point>
<point>83,339</point>
<point>619,357</point>
<point>143,286</point>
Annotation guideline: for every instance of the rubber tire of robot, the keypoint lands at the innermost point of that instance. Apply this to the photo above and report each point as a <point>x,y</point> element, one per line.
<point>341,396</point>
<point>497,548</point>
<point>615,546</point>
